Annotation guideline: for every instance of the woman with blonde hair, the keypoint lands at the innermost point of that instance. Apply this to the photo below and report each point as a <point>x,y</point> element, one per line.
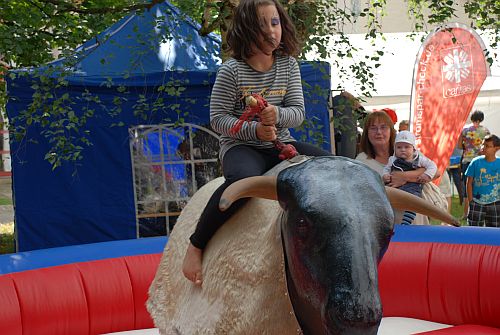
<point>377,145</point>
<point>377,141</point>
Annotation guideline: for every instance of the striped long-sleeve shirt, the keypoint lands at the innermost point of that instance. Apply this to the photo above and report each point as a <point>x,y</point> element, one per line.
<point>280,86</point>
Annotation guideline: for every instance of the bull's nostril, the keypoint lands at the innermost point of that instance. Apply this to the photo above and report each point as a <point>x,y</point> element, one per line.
<point>352,318</point>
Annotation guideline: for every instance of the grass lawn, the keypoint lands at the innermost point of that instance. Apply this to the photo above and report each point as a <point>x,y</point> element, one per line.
<point>6,232</point>
<point>4,201</point>
<point>456,210</point>
<point>7,244</point>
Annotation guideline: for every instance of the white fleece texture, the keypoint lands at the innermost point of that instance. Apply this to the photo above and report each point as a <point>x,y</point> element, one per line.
<point>244,286</point>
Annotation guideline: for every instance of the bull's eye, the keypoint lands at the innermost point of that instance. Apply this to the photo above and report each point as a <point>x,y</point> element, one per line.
<point>303,227</point>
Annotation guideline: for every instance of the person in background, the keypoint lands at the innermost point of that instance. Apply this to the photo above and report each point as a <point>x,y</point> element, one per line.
<point>262,43</point>
<point>392,114</point>
<point>470,140</point>
<point>445,187</point>
<point>347,113</point>
<point>483,183</point>
<point>407,158</point>
<point>377,145</point>
<point>404,125</point>
<point>455,172</point>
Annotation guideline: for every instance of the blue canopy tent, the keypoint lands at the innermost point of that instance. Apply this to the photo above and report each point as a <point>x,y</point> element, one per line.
<point>149,68</point>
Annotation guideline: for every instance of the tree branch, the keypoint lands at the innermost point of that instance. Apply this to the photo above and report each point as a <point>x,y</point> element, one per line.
<point>4,64</point>
<point>64,7</point>
<point>40,8</point>
<point>206,26</point>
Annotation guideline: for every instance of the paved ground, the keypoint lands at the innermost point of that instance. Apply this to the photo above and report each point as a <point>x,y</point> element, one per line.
<point>6,212</point>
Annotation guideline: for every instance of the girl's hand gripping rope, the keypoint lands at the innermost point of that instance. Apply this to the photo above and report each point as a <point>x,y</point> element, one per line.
<point>256,105</point>
<point>251,110</point>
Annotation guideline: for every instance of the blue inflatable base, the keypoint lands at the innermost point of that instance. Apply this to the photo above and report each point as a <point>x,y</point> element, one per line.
<point>44,258</point>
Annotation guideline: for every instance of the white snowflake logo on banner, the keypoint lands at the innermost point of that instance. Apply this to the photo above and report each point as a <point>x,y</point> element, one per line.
<point>457,71</point>
<point>457,66</point>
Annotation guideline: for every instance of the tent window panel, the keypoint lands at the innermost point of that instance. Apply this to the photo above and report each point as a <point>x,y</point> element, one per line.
<point>170,163</point>
<point>205,145</point>
<point>205,172</point>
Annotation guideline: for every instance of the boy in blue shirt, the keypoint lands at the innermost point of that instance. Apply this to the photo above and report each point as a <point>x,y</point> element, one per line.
<point>483,182</point>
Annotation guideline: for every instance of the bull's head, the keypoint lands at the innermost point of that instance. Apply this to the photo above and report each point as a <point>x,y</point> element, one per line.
<point>337,221</point>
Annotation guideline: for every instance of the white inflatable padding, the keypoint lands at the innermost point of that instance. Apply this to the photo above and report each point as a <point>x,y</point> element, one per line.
<point>407,326</point>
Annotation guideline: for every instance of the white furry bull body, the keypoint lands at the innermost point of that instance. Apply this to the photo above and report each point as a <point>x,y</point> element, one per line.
<point>244,285</point>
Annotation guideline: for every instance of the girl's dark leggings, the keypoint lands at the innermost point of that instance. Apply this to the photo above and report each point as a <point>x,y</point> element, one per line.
<point>240,162</point>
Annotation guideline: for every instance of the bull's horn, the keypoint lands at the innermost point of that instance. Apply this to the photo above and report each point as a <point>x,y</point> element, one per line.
<point>406,201</point>
<point>259,187</point>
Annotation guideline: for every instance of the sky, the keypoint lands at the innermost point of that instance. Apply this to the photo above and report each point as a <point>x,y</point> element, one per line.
<point>394,78</point>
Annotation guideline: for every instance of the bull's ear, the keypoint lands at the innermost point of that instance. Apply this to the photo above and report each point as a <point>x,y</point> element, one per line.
<point>259,187</point>
<point>406,201</point>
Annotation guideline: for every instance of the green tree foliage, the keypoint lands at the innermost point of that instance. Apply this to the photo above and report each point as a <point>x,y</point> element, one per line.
<point>33,32</point>
<point>483,15</point>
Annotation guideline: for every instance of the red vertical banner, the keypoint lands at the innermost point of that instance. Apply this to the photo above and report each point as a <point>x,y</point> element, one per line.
<point>449,71</point>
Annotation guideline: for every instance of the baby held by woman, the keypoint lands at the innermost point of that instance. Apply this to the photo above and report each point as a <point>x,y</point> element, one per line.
<point>407,158</point>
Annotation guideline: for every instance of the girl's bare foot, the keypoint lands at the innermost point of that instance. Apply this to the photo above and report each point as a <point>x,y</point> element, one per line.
<point>191,267</point>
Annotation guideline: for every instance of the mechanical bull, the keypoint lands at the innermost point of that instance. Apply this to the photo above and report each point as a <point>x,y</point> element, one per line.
<point>333,220</point>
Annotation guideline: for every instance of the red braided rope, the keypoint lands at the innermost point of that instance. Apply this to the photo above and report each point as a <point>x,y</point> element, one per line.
<point>252,109</point>
<point>255,103</point>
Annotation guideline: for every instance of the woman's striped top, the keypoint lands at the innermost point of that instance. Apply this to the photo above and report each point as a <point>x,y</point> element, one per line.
<point>280,86</point>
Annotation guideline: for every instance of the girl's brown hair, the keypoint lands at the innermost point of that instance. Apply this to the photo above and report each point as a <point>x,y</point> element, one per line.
<point>371,118</point>
<point>245,30</point>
